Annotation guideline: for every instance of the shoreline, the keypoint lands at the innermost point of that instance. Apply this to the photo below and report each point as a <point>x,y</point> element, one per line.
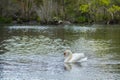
<point>34,22</point>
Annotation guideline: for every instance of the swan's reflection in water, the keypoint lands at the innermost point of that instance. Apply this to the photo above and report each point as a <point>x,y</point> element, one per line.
<point>72,66</point>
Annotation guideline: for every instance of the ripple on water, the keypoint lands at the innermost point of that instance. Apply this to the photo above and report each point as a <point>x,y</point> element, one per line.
<point>41,57</point>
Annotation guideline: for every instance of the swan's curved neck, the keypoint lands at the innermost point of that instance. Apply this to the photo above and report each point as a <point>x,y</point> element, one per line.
<point>69,57</point>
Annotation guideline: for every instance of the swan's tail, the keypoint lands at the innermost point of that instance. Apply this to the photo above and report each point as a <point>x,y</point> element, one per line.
<point>83,59</point>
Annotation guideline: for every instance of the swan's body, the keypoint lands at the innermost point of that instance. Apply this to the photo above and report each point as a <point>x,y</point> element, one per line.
<point>76,57</point>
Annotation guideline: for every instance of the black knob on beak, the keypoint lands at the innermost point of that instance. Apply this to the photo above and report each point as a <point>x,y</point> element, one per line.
<point>64,53</point>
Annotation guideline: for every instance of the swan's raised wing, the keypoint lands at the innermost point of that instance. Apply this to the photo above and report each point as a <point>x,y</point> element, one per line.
<point>76,57</point>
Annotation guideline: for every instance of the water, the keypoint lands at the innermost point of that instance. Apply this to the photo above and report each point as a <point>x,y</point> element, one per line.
<point>36,52</point>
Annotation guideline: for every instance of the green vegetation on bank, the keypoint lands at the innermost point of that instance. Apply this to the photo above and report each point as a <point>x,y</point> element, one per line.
<point>57,11</point>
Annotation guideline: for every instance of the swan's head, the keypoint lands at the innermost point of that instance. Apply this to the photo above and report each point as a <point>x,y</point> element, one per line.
<point>67,52</point>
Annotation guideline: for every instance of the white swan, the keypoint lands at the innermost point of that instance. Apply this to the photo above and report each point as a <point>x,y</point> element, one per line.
<point>76,57</point>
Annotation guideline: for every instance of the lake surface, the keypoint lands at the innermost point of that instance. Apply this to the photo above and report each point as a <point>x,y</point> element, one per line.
<point>36,52</point>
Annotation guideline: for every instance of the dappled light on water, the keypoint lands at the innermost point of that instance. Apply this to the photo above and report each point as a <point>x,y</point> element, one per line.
<point>36,52</point>
<point>33,45</point>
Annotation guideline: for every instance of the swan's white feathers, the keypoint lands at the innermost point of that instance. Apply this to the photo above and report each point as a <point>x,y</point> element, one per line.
<point>76,57</point>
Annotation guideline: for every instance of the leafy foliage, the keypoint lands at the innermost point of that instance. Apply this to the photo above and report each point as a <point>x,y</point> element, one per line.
<point>84,8</point>
<point>47,11</point>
